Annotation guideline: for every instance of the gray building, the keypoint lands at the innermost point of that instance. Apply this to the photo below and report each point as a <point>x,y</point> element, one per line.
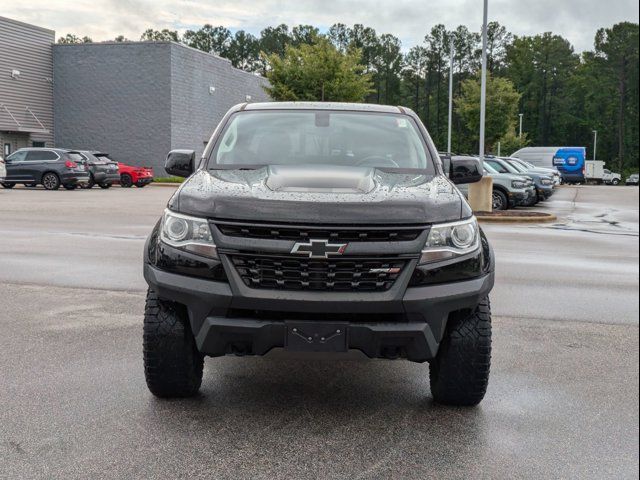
<point>138,100</point>
<point>26,86</point>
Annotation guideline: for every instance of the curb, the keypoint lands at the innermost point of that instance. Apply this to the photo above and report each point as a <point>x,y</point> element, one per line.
<point>517,219</point>
<point>165,184</point>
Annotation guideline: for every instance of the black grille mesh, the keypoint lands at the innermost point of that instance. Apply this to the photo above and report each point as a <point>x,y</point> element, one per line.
<point>345,274</point>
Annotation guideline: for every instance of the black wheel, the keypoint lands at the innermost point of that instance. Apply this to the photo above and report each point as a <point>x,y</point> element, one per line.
<point>499,200</point>
<point>459,374</point>
<point>105,185</point>
<point>90,183</point>
<point>70,187</point>
<point>140,185</point>
<point>8,185</point>
<point>172,363</point>
<point>126,181</point>
<point>51,181</point>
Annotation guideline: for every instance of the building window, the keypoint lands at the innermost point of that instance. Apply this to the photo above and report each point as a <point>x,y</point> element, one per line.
<point>38,144</point>
<point>7,149</point>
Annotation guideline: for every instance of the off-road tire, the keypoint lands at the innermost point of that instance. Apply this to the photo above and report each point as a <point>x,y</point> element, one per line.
<point>172,364</point>
<point>459,374</point>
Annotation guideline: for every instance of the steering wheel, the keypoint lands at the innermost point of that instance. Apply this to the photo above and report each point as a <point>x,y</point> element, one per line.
<point>377,161</point>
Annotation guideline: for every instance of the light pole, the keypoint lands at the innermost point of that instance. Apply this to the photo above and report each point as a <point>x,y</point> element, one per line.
<point>483,80</point>
<point>481,193</point>
<point>450,95</point>
<point>595,143</point>
<point>520,115</point>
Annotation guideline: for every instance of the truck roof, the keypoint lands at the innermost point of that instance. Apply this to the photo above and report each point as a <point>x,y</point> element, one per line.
<point>357,107</point>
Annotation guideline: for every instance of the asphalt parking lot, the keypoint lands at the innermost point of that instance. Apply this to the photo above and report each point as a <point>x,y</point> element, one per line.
<point>562,400</point>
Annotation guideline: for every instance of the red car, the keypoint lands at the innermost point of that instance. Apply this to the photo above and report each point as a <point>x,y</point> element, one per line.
<point>138,176</point>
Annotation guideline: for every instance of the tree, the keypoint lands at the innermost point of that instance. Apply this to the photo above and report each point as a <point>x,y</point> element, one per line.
<point>304,34</point>
<point>120,38</point>
<point>244,51</point>
<point>388,66</point>
<point>163,35</point>
<point>618,47</point>
<point>317,72</point>
<point>510,142</point>
<point>498,39</point>
<point>541,68</point>
<point>209,39</point>
<point>501,107</point>
<point>339,36</point>
<point>71,38</point>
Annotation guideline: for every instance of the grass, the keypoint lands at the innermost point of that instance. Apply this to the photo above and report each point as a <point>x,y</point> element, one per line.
<point>168,180</point>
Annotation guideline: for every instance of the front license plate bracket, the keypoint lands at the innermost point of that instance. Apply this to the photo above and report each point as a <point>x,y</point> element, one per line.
<point>316,337</point>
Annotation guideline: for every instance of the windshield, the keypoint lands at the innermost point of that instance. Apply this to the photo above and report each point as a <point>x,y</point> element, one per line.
<point>255,139</point>
<point>489,168</point>
<point>518,167</point>
<point>102,158</point>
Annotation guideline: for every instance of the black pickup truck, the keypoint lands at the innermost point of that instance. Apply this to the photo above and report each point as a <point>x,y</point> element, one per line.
<point>319,227</point>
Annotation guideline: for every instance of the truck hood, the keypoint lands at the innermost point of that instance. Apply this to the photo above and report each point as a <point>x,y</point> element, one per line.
<point>320,194</point>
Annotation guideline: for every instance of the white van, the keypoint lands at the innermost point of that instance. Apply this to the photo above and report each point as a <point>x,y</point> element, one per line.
<point>568,160</point>
<point>538,156</point>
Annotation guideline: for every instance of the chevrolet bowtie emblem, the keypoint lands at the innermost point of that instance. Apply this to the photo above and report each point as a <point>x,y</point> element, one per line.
<point>318,248</point>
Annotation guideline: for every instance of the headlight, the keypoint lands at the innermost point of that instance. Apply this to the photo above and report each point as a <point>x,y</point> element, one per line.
<point>546,181</point>
<point>450,240</point>
<point>187,233</point>
<point>518,184</point>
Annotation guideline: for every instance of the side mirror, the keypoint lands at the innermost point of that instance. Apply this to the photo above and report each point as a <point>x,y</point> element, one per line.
<point>446,163</point>
<point>465,170</point>
<point>180,163</point>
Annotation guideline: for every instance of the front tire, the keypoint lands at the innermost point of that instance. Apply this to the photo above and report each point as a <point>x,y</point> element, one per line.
<point>172,363</point>
<point>459,374</point>
<point>499,200</point>
<point>615,181</point>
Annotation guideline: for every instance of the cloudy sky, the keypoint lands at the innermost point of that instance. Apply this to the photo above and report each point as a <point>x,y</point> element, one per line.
<point>577,20</point>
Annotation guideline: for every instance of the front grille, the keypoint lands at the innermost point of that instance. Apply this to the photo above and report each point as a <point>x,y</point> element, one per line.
<point>342,234</point>
<point>345,274</point>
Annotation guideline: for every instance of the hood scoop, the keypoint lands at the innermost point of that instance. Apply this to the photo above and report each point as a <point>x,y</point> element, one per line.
<point>320,179</point>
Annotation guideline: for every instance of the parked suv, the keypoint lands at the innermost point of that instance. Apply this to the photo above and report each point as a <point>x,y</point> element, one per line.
<point>102,170</point>
<point>509,190</point>
<point>51,167</point>
<point>319,227</point>
<point>544,183</point>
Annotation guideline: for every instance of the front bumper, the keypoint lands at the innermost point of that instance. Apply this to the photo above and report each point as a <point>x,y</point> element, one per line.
<point>425,311</point>
<point>544,192</point>
<point>523,197</point>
